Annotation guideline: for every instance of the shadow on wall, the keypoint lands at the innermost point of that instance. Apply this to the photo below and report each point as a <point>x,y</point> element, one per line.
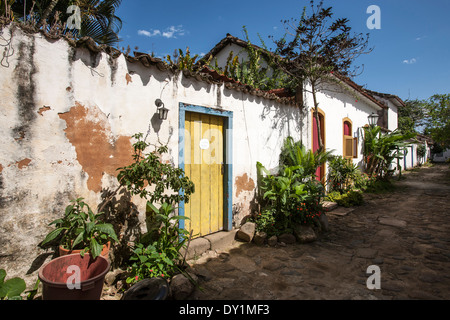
<point>146,73</point>
<point>284,117</point>
<point>238,208</point>
<point>89,58</point>
<point>122,213</point>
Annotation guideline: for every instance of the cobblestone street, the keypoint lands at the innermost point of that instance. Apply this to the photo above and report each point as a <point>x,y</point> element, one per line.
<point>405,233</point>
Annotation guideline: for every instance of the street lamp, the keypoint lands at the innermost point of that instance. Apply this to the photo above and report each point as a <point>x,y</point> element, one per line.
<point>373,119</point>
<point>162,111</point>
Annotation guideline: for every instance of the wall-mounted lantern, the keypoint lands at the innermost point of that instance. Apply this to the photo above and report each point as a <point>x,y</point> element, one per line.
<point>373,119</point>
<point>162,111</point>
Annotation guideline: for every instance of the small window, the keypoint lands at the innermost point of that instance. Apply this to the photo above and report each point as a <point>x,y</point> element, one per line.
<point>350,144</point>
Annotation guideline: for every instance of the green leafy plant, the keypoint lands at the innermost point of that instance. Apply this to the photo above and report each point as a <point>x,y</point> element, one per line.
<point>362,181</point>
<point>148,170</point>
<point>307,212</point>
<point>12,288</point>
<point>379,186</point>
<point>293,195</point>
<point>381,149</point>
<point>348,199</point>
<point>421,153</point>
<point>265,221</point>
<point>295,154</point>
<point>81,229</point>
<point>158,252</point>
<point>282,193</point>
<point>341,174</point>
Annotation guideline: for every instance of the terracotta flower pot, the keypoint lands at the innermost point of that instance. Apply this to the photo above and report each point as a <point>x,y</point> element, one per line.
<point>105,252</point>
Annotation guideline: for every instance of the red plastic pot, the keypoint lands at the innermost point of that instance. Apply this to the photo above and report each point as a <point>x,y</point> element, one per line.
<point>73,277</point>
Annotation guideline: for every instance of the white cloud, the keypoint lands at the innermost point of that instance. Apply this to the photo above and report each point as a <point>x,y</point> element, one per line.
<point>149,34</point>
<point>170,32</point>
<point>410,61</point>
<point>173,32</point>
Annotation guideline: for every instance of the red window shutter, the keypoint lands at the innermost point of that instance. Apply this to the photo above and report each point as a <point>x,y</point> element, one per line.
<point>347,128</point>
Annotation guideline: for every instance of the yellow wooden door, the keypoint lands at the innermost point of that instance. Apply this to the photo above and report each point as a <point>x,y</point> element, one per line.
<point>204,166</point>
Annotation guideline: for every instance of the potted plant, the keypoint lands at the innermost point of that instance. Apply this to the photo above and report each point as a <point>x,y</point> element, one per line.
<point>80,230</point>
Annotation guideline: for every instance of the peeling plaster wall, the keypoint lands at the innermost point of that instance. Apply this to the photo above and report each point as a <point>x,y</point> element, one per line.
<point>67,117</point>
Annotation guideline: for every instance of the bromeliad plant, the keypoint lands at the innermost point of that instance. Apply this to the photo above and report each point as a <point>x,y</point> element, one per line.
<point>293,195</point>
<point>294,153</point>
<point>81,229</point>
<point>342,174</point>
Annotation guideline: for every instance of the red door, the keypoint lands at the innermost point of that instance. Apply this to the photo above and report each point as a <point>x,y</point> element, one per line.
<point>320,170</point>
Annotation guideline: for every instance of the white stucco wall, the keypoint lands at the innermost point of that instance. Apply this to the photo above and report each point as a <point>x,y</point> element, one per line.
<point>67,117</point>
<point>392,117</point>
<point>411,159</point>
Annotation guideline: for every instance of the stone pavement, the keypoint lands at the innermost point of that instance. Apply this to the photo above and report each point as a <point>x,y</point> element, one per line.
<point>405,233</point>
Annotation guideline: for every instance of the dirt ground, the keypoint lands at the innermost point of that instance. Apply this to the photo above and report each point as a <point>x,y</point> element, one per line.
<point>404,233</point>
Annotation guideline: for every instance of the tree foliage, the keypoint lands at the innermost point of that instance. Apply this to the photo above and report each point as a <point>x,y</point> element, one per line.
<point>316,47</point>
<point>437,119</point>
<point>410,116</point>
<point>428,116</point>
<point>98,17</point>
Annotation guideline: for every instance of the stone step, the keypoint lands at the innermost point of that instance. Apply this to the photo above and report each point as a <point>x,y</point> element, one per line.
<point>341,211</point>
<point>329,205</point>
<point>216,241</point>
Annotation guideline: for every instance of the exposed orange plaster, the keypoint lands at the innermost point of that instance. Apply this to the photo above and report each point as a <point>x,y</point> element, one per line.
<point>244,183</point>
<point>43,109</point>
<point>23,163</point>
<point>128,77</point>
<point>88,130</point>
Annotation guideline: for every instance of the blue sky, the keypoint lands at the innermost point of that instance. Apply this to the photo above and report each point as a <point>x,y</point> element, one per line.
<point>411,56</point>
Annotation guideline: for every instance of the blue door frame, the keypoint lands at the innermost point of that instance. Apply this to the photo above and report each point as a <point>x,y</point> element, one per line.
<point>228,155</point>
